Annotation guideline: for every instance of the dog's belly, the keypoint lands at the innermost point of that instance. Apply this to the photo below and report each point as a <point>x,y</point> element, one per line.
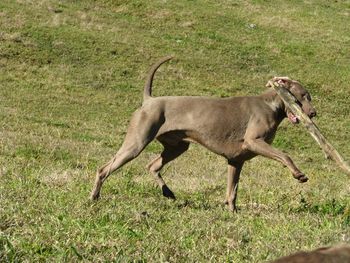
<point>224,145</point>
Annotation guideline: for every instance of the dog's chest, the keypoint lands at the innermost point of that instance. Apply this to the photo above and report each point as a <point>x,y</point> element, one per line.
<point>270,136</point>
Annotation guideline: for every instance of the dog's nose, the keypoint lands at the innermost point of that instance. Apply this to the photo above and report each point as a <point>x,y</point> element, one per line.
<point>312,113</point>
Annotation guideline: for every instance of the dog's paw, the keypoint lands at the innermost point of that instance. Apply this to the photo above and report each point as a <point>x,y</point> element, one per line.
<point>302,178</point>
<point>231,206</point>
<point>167,192</point>
<point>94,197</point>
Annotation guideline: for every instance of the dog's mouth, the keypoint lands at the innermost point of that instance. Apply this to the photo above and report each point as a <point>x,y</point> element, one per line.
<point>292,118</point>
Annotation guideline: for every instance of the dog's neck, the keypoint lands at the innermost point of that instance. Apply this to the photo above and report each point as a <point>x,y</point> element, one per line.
<point>275,103</point>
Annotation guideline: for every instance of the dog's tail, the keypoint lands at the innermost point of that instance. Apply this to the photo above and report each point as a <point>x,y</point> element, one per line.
<point>147,92</point>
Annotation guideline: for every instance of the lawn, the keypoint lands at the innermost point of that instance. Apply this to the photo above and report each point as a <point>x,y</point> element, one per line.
<point>72,73</point>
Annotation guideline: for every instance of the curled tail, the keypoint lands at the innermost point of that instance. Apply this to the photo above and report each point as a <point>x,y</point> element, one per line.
<point>148,86</point>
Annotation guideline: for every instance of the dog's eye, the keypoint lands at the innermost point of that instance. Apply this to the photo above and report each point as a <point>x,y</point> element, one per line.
<point>307,97</point>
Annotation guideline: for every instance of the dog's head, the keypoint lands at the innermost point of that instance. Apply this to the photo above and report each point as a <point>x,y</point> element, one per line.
<point>302,96</point>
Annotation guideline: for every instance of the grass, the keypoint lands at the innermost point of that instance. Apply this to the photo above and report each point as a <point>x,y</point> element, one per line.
<point>72,72</point>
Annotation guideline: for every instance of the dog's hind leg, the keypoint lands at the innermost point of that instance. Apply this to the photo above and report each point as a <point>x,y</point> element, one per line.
<point>124,155</point>
<point>140,133</point>
<point>170,152</point>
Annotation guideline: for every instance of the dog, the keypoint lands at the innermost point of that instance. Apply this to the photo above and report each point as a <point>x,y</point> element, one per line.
<point>237,128</point>
<point>337,254</point>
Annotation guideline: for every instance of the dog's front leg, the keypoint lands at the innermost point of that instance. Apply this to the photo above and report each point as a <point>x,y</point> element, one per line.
<point>233,174</point>
<point>259,146</point>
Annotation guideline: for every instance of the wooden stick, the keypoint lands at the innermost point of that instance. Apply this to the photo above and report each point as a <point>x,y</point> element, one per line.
<point>325,145</point>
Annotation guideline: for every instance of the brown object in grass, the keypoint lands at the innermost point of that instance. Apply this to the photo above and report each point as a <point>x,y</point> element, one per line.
<point>338,254</point>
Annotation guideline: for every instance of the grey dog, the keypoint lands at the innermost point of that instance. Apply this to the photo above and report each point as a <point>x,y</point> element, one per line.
<point>237,128</point>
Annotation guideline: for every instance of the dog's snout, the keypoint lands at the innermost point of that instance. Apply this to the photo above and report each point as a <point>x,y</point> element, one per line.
<point>313,113</point>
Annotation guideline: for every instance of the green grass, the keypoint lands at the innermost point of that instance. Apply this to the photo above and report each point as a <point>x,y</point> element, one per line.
<point>71,74</point>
